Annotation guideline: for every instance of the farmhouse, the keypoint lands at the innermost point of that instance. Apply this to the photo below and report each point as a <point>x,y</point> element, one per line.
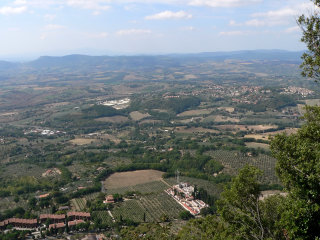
<point>75,222</point>
<point>43,196</point>
<point>109,199</point>
<point>57,226</point>
<point>19,223</point>
<point>183,194</point>
<point>54,217</point>
<point>78,215</point>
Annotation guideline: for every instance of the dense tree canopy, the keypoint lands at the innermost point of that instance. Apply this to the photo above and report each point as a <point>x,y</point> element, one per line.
<point>299,169</point>
<point>310,26</point>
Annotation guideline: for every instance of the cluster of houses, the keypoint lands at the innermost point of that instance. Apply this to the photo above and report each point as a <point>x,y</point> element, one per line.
<point>183,194</point>
<point>117,104</point>
<point>44,132</point>
<point>57,221</point>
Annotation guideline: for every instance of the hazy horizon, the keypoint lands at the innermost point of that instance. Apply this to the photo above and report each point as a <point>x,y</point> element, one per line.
<point>96,53</point>
<point>33,28</point>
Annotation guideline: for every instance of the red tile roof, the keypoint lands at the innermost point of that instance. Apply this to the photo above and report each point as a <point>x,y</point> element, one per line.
<point>78,214</point>
<point>57,225</point>
<point>52,216</point>
<point>75,222</point>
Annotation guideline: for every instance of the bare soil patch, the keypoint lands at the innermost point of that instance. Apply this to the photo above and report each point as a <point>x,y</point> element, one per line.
<point>126,179</point>
<point>6,114</point>
<point>265,136</point>
<point>137,116</point>
<point>227,109</point>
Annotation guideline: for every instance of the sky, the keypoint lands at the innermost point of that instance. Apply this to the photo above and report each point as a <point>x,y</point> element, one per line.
<point>30,28</point>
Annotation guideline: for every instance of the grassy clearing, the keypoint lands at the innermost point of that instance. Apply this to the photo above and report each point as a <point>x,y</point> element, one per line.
<point>83,141</point>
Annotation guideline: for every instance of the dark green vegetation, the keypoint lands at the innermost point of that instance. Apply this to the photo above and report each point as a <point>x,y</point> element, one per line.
<point>242,214</point>
<point>206,115</point>
<point>310,26</point>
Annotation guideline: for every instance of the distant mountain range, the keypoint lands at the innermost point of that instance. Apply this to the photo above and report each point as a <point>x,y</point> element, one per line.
<point>86,64</point>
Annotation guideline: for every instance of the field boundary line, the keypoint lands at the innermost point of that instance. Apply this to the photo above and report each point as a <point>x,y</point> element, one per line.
<point>162,180</point>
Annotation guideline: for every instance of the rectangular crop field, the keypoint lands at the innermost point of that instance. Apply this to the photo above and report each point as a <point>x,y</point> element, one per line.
<point>132,178</point>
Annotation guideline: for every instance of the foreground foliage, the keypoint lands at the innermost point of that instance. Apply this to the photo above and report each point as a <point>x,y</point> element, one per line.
<point>241,214</point>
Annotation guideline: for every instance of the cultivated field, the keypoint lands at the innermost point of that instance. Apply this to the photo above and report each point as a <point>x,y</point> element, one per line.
<point>146,188</point>
<point>220,118</point>
<point>195,112</point>
<point>246,127</point>
<point>258,145</point>
<point>233,161</point>
<point>267,135</point>
<point>115,119</point>
<point>126,179</point>
<point>195,130</point>
<point>152,205</point>
<point>227,109</point>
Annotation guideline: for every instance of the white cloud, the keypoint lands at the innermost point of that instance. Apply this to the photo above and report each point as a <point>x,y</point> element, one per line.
<point>293,29</point>
<point>14,29</point>
<point>98,35</point>
<point>12,10</point>
<point>255,23</point>
<point>189,28</point>
<point>39,3</point>
<point>281,13</point>
<point>133,32</point>
<point>98,5</point>
<point>234,23</point>
<point>169,15</point>
<point>54,27</point>
<point>232,33</point>
<point>223,3</point>
<point>20,2</point>
<point>283,16</point>
<point>43,36</point>
<point>50,17</point>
